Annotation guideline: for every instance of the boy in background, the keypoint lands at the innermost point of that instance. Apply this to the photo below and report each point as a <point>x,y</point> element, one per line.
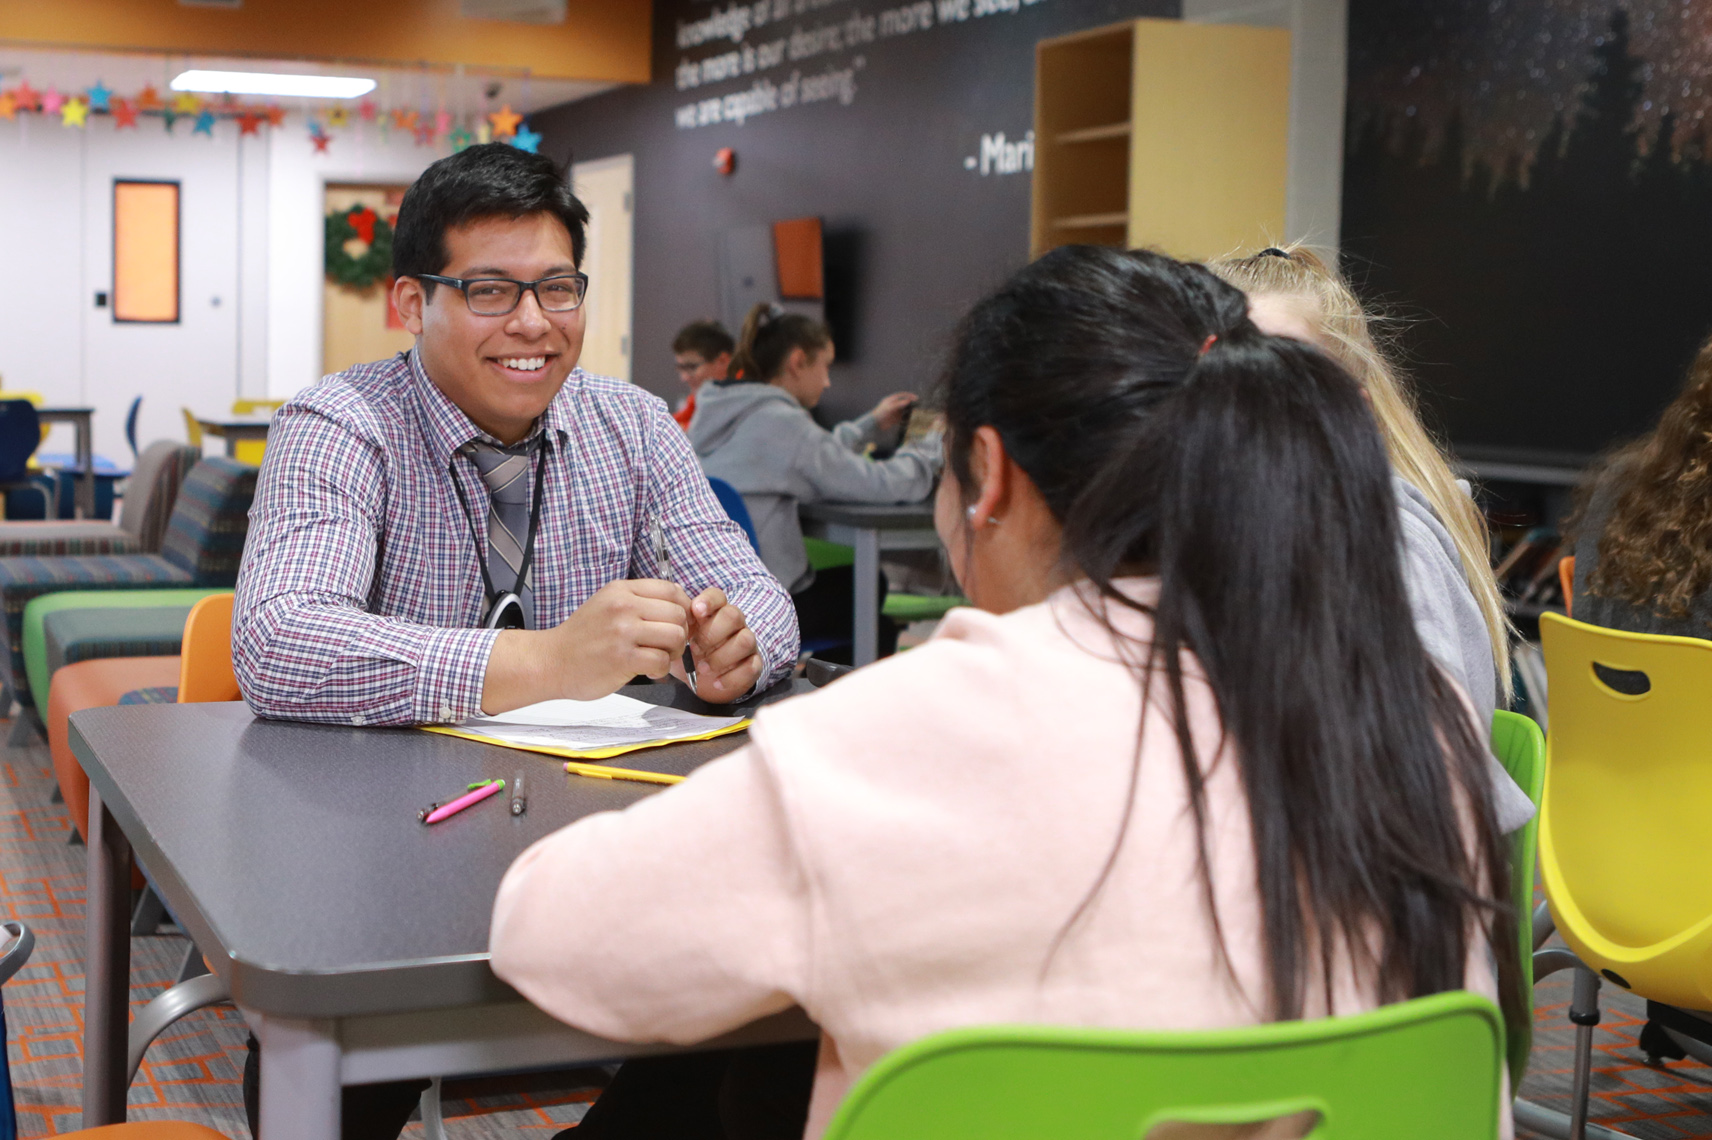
<point>702,350</point>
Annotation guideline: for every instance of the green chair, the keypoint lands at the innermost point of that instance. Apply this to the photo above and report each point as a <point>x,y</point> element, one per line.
<point>1418,1070</point>
<point>824,555</point>
<point>121,637</point>
<point>1521,748</point>
<point>907,608</point>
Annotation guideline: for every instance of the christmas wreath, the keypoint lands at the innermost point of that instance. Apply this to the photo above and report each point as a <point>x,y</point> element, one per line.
<point>358,223</point>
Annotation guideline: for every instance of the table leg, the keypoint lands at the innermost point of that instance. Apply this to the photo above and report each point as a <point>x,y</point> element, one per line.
<point>85,461</point>
<point>106,968</point>
<point>300,1079</point>
<point>231,446</point>
<point>867,575</point>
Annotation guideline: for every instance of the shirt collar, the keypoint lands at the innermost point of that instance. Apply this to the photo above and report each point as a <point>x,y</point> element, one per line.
<point>446,428</point>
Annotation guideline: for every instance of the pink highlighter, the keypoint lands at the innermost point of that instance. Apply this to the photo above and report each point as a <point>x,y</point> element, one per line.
<point>434,813</point>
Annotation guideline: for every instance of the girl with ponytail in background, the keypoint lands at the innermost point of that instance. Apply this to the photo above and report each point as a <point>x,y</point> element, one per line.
<point>756,432</point>
<point>1184,763</point>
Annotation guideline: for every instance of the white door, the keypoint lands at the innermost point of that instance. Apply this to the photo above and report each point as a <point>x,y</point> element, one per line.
<point>193,363</point>
<point>605,187</point>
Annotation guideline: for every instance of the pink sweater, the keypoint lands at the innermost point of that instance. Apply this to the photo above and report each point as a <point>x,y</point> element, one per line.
<point>896,854</point>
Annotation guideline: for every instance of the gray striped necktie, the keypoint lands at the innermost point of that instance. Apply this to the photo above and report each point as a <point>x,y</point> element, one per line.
<point>507,471</point>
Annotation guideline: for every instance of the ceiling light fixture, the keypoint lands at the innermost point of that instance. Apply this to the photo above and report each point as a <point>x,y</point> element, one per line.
<point>263,83</point>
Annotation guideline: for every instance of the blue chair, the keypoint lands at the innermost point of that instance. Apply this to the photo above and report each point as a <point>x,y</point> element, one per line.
<point>735,507</point>
<point>20,435</point>
<point>131,425</point>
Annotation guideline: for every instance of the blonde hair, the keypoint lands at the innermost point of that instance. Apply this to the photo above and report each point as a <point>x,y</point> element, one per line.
<point>1343,328</point>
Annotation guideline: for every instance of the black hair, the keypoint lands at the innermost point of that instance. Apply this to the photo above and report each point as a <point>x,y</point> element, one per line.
<point>494,180</point>
<point>707,339</point>
<point>769,334</point>
<point>1169,436</point>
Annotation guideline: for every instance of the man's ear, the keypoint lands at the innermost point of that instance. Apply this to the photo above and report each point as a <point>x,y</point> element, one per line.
<point>722,364</point>
<point>409,300</point>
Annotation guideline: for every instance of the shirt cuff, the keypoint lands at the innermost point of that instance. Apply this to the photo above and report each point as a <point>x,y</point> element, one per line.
<point>451,673</point>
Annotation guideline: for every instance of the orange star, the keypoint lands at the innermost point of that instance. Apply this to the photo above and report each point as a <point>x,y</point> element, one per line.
<point>124,115</point>
<point>8,106</point>
<point>276,116</point>
<point>248,122</point>
<point>505,122</point>
<point>150,99</point>
<point>27,97</point>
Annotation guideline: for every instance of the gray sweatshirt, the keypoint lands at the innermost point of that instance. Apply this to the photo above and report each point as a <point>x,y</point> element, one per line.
<point>1451,627</point>
<point>760,440</point>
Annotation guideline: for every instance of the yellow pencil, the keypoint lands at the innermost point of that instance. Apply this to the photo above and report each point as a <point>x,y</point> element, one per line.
<point>601,771</point>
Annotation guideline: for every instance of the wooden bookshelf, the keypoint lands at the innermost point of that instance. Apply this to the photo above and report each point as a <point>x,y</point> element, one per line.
<point>1163,134</point>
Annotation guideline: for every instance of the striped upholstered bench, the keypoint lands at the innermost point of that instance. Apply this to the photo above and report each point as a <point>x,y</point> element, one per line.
<point>204,542</point>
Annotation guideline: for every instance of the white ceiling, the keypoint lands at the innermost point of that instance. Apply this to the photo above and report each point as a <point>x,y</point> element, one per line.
<point>425,88</point>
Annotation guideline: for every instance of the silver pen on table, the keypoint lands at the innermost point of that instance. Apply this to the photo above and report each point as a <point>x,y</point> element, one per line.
<point>663,557</point>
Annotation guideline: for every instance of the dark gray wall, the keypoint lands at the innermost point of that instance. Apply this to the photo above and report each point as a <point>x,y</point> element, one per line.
<point>914,235</point>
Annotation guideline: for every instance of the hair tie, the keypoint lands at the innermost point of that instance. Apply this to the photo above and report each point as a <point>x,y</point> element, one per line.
<point>773,312</point>
<point>1212,339</point>
<point>1273,251</point>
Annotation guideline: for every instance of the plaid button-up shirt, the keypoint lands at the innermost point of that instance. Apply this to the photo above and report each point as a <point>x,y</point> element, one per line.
<point>359,588</point>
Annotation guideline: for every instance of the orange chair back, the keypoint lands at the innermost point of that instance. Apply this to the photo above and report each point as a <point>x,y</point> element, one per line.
<point>205,662</point>
<point>1566,578</point>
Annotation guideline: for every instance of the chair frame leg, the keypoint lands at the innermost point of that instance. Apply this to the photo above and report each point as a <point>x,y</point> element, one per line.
<point>1584,1012</point>
<point>152,1019</point>
<point>148,914</point>
<point>433,1124</point>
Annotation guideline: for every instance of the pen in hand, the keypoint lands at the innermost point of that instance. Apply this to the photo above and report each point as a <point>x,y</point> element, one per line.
<point>663,557</point>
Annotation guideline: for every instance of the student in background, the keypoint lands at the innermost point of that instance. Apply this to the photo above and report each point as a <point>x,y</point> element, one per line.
<point>1643,533</point>
<point>1459,614</point>
<point>756,433</point>
<point>1185,764</point>
<point>702,351</point>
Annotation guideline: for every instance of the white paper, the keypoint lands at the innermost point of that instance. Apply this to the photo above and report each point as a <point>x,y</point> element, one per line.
<point>585,726</point>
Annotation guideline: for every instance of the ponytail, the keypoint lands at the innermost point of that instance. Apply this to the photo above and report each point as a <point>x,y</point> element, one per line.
<point>1247,473</point>
<point>769,334</point>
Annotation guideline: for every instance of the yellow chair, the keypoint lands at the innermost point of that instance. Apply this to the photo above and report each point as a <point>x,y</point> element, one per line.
<point>251,450</point>
<point>1629,756</point>
<point>192,428</point>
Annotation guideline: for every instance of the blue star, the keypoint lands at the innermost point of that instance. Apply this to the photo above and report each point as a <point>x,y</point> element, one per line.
<point>526,139</point>
<point>204,124</point>
<point>100,97</point>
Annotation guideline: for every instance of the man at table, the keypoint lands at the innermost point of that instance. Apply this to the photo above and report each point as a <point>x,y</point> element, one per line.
<point>402,500</point>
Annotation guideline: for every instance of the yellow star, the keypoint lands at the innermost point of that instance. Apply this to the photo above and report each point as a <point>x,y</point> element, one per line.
<point>75,113</point>
<point>505,122</point>
<point>8,106</point>
<point>186,104</point>
<point>339,117</point>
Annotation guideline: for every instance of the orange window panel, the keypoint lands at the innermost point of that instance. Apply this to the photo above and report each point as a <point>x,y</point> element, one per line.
<point>145,251</point>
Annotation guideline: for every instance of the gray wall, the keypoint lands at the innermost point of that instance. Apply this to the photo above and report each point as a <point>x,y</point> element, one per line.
<point>913,235</point>
<point>918,227</point>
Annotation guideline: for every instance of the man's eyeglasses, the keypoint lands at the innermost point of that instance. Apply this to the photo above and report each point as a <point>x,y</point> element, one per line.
<point>498,296</point>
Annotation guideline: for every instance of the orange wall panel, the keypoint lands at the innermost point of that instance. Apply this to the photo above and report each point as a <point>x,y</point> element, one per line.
<point>599,40</point>
<point>145,251</point>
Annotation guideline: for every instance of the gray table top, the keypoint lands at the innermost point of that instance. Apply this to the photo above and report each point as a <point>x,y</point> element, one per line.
<point>293,855</point>
<point>879,516</point>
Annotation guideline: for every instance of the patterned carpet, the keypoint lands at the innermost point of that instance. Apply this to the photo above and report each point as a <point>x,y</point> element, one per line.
<point>192,1071</point>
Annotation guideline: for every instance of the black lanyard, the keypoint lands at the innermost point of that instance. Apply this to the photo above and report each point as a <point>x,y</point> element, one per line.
<point>538,454</point>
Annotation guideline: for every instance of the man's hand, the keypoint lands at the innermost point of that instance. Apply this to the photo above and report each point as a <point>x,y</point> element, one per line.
<point>727,660</point>
<point>627,628</point>
<point>889,413</point>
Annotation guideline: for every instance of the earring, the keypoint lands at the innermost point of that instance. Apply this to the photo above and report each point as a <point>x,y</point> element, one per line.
<point>992,520</point>
<point>970,512</point>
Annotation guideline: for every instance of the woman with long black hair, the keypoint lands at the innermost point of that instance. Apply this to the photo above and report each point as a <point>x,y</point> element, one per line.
<point>1186,764</point>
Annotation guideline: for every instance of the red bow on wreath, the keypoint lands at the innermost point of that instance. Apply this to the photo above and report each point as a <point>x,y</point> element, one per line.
<point>363,221</point>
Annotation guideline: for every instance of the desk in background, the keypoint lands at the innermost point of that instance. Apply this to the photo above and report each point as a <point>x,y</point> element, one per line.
<point>235,431</point>
<point>870,528</point>
<point>82,421</point>
<point>353,938</point>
